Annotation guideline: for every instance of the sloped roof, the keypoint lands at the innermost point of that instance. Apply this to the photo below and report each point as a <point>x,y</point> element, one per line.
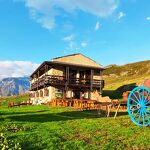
<point>78,59</point>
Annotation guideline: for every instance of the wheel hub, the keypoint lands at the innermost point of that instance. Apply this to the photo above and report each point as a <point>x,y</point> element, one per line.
<point>141,104</point>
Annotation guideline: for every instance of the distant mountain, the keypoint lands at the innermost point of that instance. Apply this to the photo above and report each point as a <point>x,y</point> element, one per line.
<point>14,86</point>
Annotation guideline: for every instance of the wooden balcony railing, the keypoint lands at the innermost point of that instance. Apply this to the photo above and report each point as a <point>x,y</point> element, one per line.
<point>61,80</point>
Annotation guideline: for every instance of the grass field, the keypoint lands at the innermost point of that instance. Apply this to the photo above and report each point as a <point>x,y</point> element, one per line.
<point>43,127</point>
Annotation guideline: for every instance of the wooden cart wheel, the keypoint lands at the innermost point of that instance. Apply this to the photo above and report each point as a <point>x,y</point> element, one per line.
<point>139,106</point>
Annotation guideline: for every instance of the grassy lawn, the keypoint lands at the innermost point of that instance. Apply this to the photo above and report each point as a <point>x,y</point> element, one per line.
<point>42,127</point>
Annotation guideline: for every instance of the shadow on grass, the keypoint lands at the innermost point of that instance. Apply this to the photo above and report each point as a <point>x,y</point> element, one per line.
<point>63,116</point>
<point>18,113</point>
<point>117,94</point>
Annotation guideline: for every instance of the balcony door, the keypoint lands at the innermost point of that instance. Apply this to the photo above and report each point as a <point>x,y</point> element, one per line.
<point>73,73</point>
<point>81,74</point>
<point>87,74</point>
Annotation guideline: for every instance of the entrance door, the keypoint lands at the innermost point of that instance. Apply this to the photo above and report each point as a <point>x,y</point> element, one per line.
<point>72,76</point>
<point>73,73</point>
<point>76,94</point>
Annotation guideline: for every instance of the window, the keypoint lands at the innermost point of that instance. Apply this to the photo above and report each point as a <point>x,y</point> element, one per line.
<point>31,95</point>
<point>58,93</point>
<point>41,93</point>
<point>37,94</point>
<point>46,92</point>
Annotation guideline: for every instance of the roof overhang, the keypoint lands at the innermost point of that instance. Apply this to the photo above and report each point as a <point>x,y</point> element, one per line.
<point>56,63</point>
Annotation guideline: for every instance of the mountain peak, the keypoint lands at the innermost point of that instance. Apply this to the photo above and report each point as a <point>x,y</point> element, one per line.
<point>14,86</point>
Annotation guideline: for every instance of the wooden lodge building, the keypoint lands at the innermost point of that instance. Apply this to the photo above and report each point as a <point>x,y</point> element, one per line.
<point>69,77</point>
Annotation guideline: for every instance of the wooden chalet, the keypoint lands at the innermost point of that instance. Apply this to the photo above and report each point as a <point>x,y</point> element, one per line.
<point>69,77</point>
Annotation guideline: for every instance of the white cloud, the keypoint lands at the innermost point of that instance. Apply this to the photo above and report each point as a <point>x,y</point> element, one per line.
<point>83,44</point>
<point>97,26</point>
<point>16,68</point>
<point>148,18</point>
<point>69,37</point>
<point>46,11</point>
<point>121,15</point>
<point>73,45</point>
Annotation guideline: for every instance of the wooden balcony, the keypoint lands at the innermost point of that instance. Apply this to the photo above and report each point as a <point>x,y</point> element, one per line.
<point>53,80</point>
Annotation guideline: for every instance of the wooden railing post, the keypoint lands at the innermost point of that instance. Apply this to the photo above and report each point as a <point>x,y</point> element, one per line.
<point>91,82</point>
<point>38,80</point>
<point>67,78</point>
<point>101,82</point>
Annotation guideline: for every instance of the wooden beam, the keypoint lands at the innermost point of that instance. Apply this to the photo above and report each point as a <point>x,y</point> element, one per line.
<point>63,93</point>
<point>67,78</point>
<point>68,74</point>
<point>101,82</point>
<point>91,82</point>
<point>38,80</point>
<point>81,97</point>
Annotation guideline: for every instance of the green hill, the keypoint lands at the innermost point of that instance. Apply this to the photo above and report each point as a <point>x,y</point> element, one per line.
<point>122,78</point>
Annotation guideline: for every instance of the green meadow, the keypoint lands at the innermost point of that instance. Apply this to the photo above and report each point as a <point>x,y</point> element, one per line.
<point>59,128</point>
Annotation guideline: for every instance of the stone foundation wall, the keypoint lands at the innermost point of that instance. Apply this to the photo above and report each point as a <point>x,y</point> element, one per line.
<point>44,98</point>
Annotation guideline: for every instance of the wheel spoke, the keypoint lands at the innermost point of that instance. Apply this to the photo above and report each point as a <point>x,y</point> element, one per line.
<point>139,118</point>
<point>135,97</point>
<point>146,96</point>
<point>134,100</point>
<point>133,105</point>
<point>148,102</point>
<point>134,109</point>
<point>148,111</point>
<point>147,117</point>
<point>139,94</point>
<point>143,95</point>
<point>143,118</point>
<point>136,114</point>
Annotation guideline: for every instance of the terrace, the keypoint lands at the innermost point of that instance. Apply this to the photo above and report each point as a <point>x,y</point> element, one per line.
<point>55,80</point>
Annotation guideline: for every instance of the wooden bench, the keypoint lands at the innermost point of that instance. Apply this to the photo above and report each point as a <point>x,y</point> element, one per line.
<point>12,104</point>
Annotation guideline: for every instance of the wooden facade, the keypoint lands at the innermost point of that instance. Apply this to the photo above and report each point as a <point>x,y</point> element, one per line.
<point>63,78</point>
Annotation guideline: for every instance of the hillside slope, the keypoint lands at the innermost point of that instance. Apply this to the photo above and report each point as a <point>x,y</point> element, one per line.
<point>14,86</point>
<point>125,77</point>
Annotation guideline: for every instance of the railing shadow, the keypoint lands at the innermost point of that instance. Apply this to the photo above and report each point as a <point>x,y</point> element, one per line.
<point>63,116</point>
<point>18,113</point>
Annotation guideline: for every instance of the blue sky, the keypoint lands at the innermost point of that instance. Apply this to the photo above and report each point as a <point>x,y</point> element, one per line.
<point>108,31</point>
